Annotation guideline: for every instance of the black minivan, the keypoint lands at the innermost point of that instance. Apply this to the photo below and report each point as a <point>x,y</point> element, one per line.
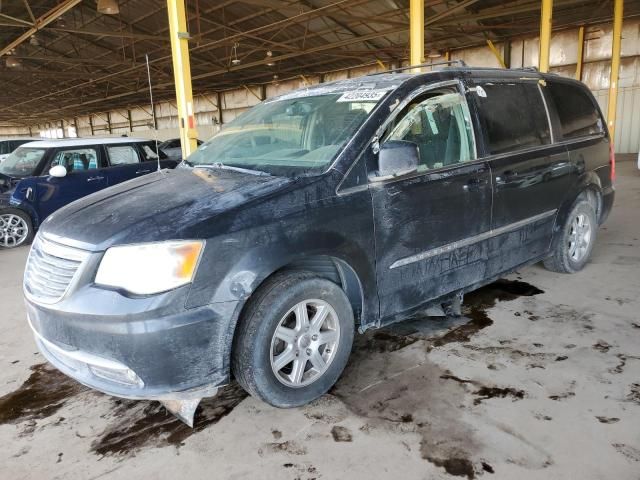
<point>335,208</point>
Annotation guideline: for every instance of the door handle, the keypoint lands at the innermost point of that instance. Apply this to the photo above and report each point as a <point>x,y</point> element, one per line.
<point>140,172</point>
<point>474,184</point>
<point>93,179</point>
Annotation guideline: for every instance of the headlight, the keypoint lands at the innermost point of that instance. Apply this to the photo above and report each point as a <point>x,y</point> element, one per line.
<point>150,268</point>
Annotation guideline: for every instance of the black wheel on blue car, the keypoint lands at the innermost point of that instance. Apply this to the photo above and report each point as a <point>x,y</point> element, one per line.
<point>293,340</point>
<point>577,238</point>
<point>15,228</point>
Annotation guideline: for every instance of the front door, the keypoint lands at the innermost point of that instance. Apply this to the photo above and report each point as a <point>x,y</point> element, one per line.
<point>84,177</point>
<point>429,224</point>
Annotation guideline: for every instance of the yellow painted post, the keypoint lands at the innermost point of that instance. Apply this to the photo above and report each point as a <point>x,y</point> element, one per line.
<point>416,32</point>
<point>615,66</point>
<point>545,34</point>
<point>497,53</point>
<point>182,75</point>
<point>580,53</point>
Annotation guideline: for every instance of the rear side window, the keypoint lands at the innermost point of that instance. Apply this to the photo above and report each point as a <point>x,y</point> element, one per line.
<point>4,148</point>
<point>148,150</point>
<point>513,115</point>
<point>122,155</point>
<point>578,114</point>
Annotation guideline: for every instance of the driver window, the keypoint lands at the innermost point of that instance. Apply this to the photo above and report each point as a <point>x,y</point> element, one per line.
<point>440,126</point>
<point>76,160</point>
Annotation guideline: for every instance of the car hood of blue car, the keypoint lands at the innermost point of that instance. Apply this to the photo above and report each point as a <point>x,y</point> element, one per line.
<point>161,206</point>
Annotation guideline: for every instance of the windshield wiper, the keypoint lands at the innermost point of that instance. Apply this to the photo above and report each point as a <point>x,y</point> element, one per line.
<point>235,169</point>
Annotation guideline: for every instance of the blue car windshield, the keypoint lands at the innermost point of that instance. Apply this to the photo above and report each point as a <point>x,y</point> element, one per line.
<point>23,162</point>
<point>289,137</point>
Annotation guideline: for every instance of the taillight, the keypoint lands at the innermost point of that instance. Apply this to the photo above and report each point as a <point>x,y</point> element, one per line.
<point>612,161</point>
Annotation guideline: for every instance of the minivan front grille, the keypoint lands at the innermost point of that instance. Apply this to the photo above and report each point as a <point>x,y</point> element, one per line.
<point>51,268</point>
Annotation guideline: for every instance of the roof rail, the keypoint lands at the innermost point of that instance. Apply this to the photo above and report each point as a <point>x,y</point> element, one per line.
<point>461,63</point>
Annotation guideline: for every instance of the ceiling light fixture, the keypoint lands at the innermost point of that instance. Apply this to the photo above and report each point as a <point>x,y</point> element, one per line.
<point>108,7</point>
<point>34,41</point>
<point>235,60</point>
<point>13,62</point>
<point>434,54</point>
<point>270,62</point>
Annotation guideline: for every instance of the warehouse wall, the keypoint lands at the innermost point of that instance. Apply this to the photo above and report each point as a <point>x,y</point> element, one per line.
<point>138,121</point>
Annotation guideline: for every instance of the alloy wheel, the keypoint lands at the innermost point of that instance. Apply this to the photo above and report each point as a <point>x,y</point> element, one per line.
<point>579,237</point>
<point>305,343</point>
<point>13,230</point>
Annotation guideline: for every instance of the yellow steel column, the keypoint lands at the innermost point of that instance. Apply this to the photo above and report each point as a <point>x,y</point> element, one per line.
<point>182,75</point>
<point>545,34</point>
<point>580,53</point>
<point>416,31</point>
<point>615,66</point>
<point>496,53</point>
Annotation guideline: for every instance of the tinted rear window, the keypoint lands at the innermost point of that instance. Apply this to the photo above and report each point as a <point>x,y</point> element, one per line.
<point>576,110</point>
<point>514,116</point>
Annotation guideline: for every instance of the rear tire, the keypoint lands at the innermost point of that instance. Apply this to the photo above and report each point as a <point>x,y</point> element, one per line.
<point>577,238</point>
<point>293,340</point>
<point>16,228</point>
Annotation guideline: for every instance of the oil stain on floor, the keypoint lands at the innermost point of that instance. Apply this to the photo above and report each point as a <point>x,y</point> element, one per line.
<point>44,393</point>
<point>138,424</point>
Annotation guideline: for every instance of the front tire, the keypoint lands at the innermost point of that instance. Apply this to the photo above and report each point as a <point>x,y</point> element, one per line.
<point>15,228</point>
<point>293,340</point>
<point>577,238</point>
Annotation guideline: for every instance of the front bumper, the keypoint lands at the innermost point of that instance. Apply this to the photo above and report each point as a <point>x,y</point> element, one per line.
<point>139,348</point>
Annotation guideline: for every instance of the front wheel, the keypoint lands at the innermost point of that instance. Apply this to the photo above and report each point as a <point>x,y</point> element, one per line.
<point>15,228</point>
<point>293,340</point>
<point>577,237</point>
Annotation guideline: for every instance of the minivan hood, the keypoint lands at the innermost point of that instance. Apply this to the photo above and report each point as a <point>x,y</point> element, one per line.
<point>161,206</point>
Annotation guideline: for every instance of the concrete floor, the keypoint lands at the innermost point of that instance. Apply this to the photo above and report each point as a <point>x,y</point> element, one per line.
<point>541,380</point>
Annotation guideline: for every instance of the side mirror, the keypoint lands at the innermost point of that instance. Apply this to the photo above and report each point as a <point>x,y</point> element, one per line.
<point>58,171</point>
<point>397,157</point>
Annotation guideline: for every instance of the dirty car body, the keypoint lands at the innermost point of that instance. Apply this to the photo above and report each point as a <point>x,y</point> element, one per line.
<point>419,198</point>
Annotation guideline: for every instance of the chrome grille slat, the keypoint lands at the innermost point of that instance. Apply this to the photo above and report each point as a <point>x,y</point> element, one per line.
<point>59,263</point>
<point>51,268</point>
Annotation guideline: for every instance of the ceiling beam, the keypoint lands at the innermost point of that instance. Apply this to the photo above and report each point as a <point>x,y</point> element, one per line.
<point>41,22</point>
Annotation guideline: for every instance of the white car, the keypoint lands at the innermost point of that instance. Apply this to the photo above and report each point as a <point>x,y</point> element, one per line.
<point>173,149</point>
<point>8,145</point>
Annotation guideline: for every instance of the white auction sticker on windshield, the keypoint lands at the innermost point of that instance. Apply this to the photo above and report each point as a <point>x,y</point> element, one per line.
<point>362,95</point>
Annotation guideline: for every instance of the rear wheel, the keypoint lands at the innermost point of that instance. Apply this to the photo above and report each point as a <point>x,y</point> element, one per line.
<point>294,339</point>
<point>15,228</point>
<point>578,235</point>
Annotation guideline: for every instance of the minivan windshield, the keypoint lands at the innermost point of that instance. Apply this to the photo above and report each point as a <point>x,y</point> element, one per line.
<point>22,162</point>
<point>291,136</point>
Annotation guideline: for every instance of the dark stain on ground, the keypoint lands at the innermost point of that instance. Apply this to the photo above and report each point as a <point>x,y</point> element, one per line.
<point>602,346</point>
<point>341,434</point>
<point>141,424</point>
<point>487,468</point>
<point>634,395</point>
<point>382,341</point>
<point>40,396</point>
<point>608,420</point>
<point>458,467</point>
<point>476,304</point>
<point>485,393</point>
